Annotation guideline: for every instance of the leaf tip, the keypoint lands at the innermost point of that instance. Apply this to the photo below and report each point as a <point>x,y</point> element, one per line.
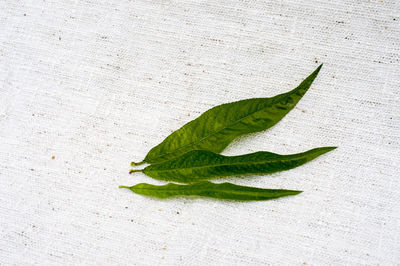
<point>322,150</point>
<point>124,187</point>
<point>328,149</point>
<point>317,70</point>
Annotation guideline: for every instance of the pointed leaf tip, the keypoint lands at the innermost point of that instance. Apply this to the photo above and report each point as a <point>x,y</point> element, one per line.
<point>327,149</point>
<point>313,75</point>
<point>318,69</point>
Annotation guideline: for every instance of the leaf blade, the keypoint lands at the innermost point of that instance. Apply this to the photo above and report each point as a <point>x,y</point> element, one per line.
<point>218,126</point>
<point>226,191</point>
<point>204,165</point>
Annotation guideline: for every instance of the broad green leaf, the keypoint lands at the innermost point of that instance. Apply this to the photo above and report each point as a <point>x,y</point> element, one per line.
<point>203,165</point>
<point>226,191</point>
<point>217,127</point>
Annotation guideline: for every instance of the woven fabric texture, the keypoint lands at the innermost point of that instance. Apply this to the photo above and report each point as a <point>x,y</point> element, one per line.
<point>87,86</point>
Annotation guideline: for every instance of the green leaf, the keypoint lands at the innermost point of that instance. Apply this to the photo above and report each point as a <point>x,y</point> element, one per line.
<point>217,127</point>
<point>226,191</point>
<point>203,165</point>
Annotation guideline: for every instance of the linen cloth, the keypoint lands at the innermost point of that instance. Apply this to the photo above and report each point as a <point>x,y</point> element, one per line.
<point>86,87</point>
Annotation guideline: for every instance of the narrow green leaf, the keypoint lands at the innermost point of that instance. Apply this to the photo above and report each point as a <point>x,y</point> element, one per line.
<point>217,127</point>
<point>203,165</point>
<point>226,191</point>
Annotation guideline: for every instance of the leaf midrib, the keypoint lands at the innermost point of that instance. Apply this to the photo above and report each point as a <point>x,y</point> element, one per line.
<point>224,164</point>
<point>212,190</point>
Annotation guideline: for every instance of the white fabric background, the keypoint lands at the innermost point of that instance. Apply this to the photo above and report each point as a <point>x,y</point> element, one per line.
<point>98,83</point>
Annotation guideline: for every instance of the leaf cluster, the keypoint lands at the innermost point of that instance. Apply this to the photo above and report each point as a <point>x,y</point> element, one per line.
<point>191,154</point>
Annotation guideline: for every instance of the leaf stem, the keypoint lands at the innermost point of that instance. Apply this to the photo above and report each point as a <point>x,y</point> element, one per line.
<point>124,187</point>
<point>133,171</point>
<point>139,163</point>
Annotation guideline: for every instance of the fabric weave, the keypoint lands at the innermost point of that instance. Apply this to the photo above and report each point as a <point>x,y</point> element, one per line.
<point>86,87</point>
